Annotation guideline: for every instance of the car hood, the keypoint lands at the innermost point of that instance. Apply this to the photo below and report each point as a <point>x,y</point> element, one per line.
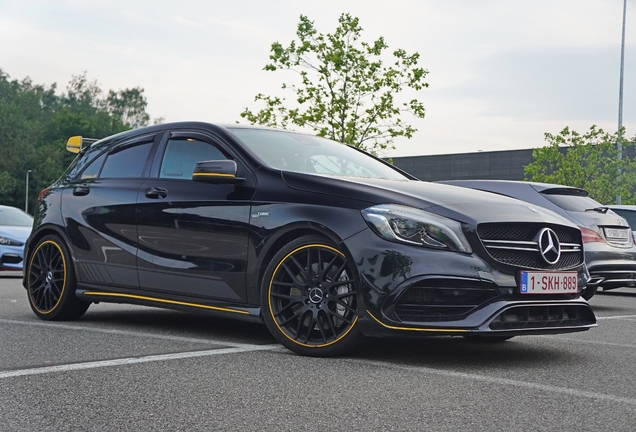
<point>19,233</point>
<point>461,204</point>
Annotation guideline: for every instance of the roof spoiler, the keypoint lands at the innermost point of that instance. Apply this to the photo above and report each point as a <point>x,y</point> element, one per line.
<point>75,143</point>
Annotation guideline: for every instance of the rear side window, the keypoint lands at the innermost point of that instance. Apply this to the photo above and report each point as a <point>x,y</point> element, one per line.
<point>92,170</point>
<point>182,155</point>
<point>127,162</point>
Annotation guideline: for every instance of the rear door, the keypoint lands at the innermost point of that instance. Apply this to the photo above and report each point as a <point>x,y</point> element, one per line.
<point>193,236</point>
<point>99,209</point>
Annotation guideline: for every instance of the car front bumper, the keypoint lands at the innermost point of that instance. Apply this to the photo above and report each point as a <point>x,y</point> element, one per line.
<point>418,291</point>
<point>11,258</point>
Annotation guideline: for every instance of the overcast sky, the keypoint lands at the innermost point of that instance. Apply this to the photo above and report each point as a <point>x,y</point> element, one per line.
<point>501,72</point>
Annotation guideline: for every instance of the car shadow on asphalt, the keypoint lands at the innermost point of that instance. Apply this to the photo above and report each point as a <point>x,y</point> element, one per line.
<point>440,352</point>
<point>458,352</point>
<point>11,275</point>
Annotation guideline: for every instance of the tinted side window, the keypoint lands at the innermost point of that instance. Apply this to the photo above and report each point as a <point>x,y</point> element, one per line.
<point>182,155</point>
<point>128,162</point>
<point>92,170</point>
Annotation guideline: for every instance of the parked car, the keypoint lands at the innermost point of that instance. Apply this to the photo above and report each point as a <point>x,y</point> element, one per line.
<point>627,212</point>
<point>322,242</point>
<point>609,247</point>
<point>15,227</point>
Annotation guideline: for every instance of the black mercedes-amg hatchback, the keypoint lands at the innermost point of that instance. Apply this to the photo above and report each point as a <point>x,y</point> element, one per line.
<point>322,242</point>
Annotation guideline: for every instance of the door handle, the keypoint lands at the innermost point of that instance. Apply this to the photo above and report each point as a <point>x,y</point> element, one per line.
<point>156,192</point>
<point>81,190</point>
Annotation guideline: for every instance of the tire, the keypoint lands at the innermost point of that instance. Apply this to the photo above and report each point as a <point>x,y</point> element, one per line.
<point>589,292</point>
<point>309,298</point>
<point>51,282</point>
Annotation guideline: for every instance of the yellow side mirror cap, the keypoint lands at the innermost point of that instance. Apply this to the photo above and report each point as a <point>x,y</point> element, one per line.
<point>75,143</point>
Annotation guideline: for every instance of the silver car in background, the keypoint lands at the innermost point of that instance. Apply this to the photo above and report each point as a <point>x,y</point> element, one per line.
<point>15,227</point>
<point>628,212</point>
<point>608,241</point>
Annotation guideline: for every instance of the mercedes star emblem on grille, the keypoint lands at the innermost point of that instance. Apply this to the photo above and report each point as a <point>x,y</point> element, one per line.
<point>549,245</point>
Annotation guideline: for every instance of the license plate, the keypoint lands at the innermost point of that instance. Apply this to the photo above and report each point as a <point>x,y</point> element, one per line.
<point>548,283</point>
<point>616,233</point>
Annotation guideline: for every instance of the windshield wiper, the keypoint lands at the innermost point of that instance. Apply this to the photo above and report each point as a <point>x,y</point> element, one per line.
<point>598,209</point>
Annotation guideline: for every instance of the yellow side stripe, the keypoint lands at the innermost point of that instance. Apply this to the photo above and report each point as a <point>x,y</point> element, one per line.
<point>159,300</point>
<point>434,330</point>
<point>213,175</point>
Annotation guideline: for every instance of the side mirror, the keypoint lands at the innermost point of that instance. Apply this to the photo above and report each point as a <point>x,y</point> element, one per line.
<point>75,143</point>
<point>216,172</point>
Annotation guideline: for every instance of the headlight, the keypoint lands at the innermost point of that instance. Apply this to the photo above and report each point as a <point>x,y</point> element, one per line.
<point>8,242</point>
<point>416,227</point>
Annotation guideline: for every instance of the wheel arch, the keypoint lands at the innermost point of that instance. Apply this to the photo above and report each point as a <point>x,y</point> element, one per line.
<point>35,237</point>
<point>283,237</point>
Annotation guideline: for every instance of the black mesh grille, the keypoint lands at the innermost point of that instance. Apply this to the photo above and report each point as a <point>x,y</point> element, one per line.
<point>524,232</point>
<point>442,300</point>
<point>533,259</point>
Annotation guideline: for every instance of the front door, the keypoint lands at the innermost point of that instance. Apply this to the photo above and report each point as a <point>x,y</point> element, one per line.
<point>192,236</point>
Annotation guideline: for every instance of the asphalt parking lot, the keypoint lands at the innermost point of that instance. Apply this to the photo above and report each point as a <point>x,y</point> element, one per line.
<point>125,367</point>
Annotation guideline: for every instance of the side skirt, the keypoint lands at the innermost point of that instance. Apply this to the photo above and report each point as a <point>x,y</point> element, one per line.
<point>182,303</point>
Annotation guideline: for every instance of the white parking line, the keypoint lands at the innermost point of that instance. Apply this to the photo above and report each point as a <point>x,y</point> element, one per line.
<point>135,360</point>
<point>584,341</point>
<point>124,333</point>
<point>507,382</point>
<point>615,317</point>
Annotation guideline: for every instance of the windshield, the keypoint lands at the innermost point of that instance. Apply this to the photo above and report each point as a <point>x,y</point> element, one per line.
<point>14,217</point>
<point>290,151</point>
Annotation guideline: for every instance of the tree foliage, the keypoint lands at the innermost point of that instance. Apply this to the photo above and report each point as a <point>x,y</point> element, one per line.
<point>346,92</point>
<point>36,121</point>
<point>589,161</point>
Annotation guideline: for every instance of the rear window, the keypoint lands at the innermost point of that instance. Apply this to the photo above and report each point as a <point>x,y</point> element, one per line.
<point>629,215</point>
<point>572,202</point>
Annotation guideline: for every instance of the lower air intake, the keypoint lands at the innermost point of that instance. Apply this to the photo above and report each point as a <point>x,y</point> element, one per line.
<point>538,317</point>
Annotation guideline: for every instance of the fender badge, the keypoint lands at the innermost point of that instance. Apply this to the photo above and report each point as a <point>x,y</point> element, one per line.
<point>533,210</point>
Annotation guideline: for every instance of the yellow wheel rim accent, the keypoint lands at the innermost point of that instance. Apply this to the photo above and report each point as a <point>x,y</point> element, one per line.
<point>31,299</point>
<point>269,298</point>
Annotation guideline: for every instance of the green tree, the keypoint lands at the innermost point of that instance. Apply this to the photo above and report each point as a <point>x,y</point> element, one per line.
<point>128,106</point>
<point>589,161</point>
<point>36,121</point>
<point>346,92</point>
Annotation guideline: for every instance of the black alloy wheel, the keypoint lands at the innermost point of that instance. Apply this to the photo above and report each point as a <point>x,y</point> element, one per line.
<point>309,298</point>
<point>51,282</point>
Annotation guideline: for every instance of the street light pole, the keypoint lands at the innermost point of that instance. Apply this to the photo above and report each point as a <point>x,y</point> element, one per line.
<point>619,145</point>
<point>26,200</point>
